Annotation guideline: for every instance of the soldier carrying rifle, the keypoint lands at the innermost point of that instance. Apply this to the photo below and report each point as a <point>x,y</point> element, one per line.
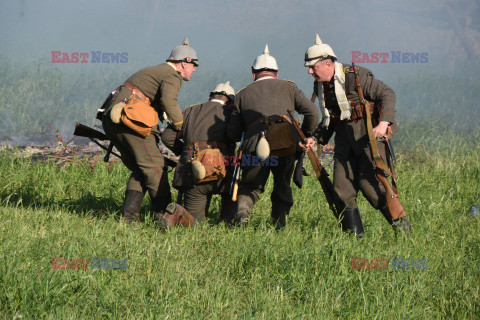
<point>130,118</point>
<point>356,165</point>
<point>269,144</point>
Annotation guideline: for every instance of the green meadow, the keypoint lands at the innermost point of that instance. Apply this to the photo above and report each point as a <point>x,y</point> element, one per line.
<point>210,271</point>
<point>71,211</point>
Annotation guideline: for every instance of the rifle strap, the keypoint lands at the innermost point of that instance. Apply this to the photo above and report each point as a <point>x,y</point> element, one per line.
<point>379,163</point>
<point>395,208</point>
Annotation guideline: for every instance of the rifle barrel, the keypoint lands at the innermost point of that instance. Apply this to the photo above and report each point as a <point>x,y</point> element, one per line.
<point>320,172</point>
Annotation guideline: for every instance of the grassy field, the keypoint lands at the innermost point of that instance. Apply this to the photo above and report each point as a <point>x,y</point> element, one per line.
<point>304,272</point>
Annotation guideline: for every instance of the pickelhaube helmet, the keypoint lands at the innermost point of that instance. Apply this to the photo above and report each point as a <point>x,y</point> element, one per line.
<point>184,53</point>
<point>318,52</point>
<point>225,89</point>
<point>265,62</point>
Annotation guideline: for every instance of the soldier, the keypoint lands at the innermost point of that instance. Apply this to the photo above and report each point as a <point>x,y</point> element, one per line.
<point>156,87</point>
<point>261,114</point>
<point>204,135</point>
<point>354,168</point>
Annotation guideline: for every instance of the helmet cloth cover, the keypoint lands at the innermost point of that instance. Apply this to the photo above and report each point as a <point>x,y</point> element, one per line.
<point>184,53</point>
<point>318,52</point>
<point>265,61</point>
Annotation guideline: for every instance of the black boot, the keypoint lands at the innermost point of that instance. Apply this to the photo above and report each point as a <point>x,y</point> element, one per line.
<point>131,206</point>
<point>227,211</point>
<point>244,207</point>
<point>401,225</point>
<point>352,222</point>
<point>157,212</point>
<point>387,215</point>
<point>279,214</point>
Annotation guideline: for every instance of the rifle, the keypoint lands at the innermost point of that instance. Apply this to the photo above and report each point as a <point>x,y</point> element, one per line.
<point>320,172</point>
<point>236,170</point>
<point>84,131</point>
<point>382,171</point>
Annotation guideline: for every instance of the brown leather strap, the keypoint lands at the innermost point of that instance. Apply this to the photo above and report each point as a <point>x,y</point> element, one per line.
<point>357,111</point>
<point>267,121</point>
<point>254,123</point>
<point>205,144</point>
<point>137,92</point>
<point>373,142</point>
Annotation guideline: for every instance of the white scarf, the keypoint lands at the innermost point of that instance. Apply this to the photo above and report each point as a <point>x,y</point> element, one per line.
<point>339,82</point>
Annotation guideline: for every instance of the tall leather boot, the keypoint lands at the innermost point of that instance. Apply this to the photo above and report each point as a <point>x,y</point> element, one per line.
<point>401,225</point>
<point>352,222</point>
<point>158,209</point>
<point>279,214</point>
<point>244,207</point>
<point>131,206</point>
<point>387,215</point>
<point>227,211</point>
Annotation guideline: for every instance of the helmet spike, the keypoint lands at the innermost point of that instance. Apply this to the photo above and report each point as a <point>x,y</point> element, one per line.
<point>185,41</point>
<point>318,52</point>
<point>265,61</point>
<point>266,50</point>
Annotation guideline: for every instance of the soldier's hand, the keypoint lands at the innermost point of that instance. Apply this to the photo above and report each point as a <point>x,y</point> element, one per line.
<point>381,130</point>
<point>309,144</point>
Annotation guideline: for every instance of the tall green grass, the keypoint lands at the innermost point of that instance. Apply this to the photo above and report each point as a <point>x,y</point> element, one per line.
<point>435,111</point>
<point>305,271</point>
<point>71,211</point>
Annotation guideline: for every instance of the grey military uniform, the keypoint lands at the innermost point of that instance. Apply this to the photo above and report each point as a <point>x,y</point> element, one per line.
<point>266,97</point>
<point>204,122</point>
<point>160,84</point>
<point>354,167</point>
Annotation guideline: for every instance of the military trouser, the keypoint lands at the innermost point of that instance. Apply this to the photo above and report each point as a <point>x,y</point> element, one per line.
<point>353,173</point>
<point>142,157</point>
<point>253,183</point>
<point>197,198</point>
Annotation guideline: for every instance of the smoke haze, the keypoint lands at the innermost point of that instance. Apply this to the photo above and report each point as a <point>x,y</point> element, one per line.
<point>228,35</point>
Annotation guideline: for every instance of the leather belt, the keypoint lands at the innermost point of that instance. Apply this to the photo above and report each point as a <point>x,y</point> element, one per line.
<point>205,144</point>
<point>267,121</point>
<point>136,92</point>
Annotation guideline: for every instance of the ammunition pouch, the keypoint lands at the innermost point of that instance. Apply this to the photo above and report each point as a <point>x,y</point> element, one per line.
<point>137,114</point>
<point>357,111</point>
<point>279,135</point>
<point>211,158</point>
<point>375,112</point>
